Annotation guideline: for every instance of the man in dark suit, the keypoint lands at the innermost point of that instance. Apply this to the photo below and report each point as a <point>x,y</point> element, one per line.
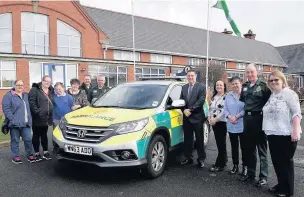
<point>194,94</point>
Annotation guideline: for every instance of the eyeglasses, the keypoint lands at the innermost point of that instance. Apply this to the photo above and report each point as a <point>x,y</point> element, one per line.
<point>19,85</point>
<point>273,80</point>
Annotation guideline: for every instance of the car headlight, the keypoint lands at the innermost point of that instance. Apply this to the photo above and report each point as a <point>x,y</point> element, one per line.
<point>62,124</point>
<point>129,127</point>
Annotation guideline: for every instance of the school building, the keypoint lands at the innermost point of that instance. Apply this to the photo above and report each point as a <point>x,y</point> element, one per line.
<point>67,40</point>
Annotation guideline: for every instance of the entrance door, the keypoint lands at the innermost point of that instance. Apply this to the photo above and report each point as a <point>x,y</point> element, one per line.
<point>55,71</point>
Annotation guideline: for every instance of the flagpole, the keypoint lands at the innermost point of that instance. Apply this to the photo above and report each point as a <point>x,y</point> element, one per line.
<point>207,59</point>
<point>133,39</point>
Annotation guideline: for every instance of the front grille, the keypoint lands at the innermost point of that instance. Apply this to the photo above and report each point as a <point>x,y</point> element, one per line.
<point>86,134</point>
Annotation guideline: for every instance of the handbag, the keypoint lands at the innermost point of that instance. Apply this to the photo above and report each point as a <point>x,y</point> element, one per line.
<point>4,128</point>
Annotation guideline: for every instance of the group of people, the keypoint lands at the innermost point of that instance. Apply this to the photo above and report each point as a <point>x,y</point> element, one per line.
<point>256,115</point>
<point>31,114</point>
<point>253,113</point>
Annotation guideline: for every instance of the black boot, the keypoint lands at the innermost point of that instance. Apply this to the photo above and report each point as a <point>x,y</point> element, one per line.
<point>234,170</point>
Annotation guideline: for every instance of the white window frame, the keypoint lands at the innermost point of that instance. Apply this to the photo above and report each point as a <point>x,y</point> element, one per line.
<point>1,84</point>
<point>299,79</point>
<point>35,32</point>
<point>11,31</point>
<point>232,74</point>
<point>158,57</point>
<point>241,66</point>
<point>141,74</point>
<point>107,73</point>
<point>70,38</point>
<point>66,82</point>
<point>126,55</point>
<point>260,68</point>
<point>196,62</point>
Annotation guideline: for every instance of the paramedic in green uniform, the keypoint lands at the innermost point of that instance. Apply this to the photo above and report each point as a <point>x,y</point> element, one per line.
<point>255,94</point>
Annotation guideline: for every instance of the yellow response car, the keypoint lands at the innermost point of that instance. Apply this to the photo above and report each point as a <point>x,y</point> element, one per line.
<point>134,124</point>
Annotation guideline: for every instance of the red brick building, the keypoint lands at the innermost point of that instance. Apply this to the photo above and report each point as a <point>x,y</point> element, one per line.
<point>67,40</point>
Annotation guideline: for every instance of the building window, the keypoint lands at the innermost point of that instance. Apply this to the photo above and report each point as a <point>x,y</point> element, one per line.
<point>68,40</point>
<point>60,73</point>
<point>149,72</point>
<point>260,68</point>
<point>126,55</point>
<point>6,33</point>
<point>164,59</point>
<point>240,75</point>
<point>35,33</point>
<point>217,63</point>
<point>241,66</point>
<point>7,73</point>
<point>196,62</point>
<point>298,80</point>
<point>114,74</point>
<point>176,70</point>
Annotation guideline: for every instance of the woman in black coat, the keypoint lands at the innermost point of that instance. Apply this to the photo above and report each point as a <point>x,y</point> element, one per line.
<point>41,104</point>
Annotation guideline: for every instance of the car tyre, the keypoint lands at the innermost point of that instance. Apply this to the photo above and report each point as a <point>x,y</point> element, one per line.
<point>206,130</point>
<point>157,157</point>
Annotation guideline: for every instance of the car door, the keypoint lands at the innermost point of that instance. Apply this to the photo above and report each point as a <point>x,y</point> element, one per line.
<point>176,116</point>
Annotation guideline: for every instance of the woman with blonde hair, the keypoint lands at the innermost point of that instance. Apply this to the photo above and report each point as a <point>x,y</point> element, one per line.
<point>281,123</point>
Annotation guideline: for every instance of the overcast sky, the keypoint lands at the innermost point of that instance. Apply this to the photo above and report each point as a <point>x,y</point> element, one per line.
<point>276,22</point>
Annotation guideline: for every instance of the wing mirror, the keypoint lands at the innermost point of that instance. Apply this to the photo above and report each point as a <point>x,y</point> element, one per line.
<point>179,103</point>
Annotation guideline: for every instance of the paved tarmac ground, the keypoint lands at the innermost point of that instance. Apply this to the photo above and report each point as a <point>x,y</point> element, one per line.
<point>49,178</point>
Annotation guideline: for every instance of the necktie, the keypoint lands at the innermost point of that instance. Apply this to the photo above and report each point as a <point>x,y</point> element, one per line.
<point>189,92</point>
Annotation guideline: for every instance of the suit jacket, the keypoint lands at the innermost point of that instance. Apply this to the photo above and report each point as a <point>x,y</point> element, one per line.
<point>195,103</point>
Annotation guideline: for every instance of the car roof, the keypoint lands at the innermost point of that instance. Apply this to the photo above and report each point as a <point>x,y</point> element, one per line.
<point>154,82</point>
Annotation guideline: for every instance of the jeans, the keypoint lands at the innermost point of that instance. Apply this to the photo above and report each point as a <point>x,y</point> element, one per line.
<point>25,133</point>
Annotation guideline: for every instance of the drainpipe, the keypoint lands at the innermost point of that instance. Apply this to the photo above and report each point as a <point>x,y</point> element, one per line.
<point>105,52</point>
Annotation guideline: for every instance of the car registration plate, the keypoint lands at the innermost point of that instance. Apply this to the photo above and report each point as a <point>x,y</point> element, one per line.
<point>78,150</point>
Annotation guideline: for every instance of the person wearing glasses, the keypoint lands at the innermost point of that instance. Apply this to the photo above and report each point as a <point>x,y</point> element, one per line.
<point>16,109</point>
<point>63,103</point>
<point>80,99</point>
<point>41,104</point>
<point>281,123</point>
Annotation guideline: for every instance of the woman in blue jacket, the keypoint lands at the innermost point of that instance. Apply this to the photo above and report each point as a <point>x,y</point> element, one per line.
<point>16,109</point>
<point>234,112</point>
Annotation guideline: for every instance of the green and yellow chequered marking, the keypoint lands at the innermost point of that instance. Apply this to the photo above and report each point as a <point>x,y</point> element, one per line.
<point>172,120</point>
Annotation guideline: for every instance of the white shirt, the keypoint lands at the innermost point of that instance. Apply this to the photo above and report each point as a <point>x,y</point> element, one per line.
<point>279,111</point>
<point>216,109</point>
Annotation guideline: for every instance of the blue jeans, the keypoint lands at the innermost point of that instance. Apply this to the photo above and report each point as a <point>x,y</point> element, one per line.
<point>26,135</point>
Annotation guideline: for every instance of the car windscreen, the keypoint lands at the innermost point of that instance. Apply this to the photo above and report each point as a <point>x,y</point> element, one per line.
<point>133,96</point>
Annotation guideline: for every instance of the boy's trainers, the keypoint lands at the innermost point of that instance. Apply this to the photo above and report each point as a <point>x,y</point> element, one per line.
<point>47,156</point>
<point>31,159</point>
<point>17,160</point>
<point>38,157</point>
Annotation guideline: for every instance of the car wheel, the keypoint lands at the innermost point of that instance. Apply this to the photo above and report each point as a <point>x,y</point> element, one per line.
<point>156,157</point>
<point>206,130</point>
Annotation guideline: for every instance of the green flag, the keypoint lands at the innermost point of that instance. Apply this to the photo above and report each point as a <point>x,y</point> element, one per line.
<point>221,4</point>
